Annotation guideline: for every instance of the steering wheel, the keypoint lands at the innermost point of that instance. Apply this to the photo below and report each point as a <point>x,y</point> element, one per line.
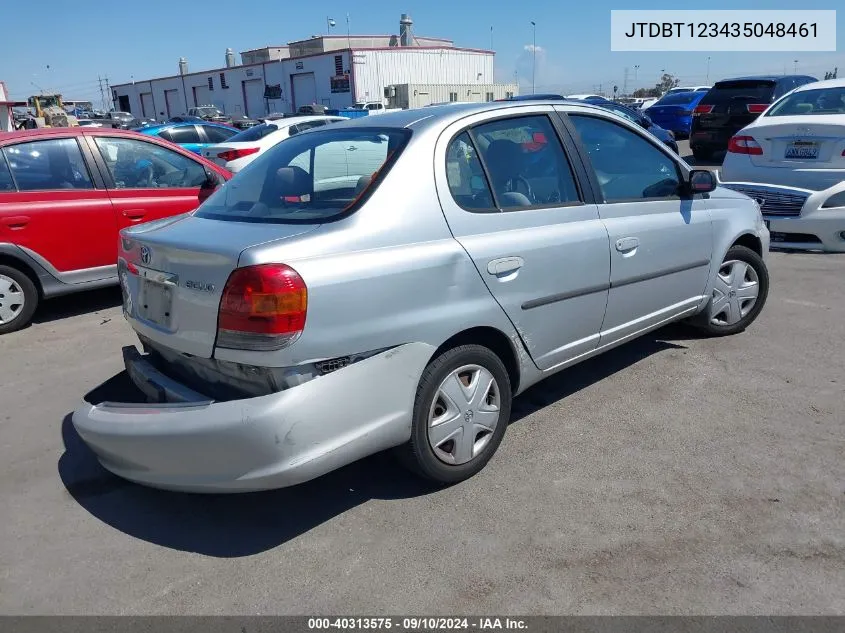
<point>528,191</point>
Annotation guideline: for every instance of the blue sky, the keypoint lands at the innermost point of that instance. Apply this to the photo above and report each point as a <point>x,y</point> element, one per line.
<point>145,39</point>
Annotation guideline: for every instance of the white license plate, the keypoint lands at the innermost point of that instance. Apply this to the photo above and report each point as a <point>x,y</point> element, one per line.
<point>803,150</point>
<point>155,302</point>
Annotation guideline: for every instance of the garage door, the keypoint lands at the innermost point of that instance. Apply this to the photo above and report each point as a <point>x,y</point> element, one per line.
<point>147,108</point>
<point>254,97</point>
<point>202,95</point>
<point>304,90</point>
<point>174,103</point>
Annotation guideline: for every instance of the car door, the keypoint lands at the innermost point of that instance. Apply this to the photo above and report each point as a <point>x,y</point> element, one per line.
<point>146,180</point>
<point>660,238</point>
<point>58,209</point>
<point>511,198</point>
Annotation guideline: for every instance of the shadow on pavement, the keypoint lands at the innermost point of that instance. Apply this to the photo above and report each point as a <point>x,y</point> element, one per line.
<point>77,303</point>
<point>229,526</point>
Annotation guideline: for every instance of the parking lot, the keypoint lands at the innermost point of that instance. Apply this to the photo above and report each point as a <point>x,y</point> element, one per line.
<point>674,475</point>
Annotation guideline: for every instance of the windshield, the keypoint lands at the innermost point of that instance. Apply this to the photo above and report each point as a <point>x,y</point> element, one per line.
<point>818,101</point>
<point>309,178</point>
<point>208,112</point>
<point>253,134</point>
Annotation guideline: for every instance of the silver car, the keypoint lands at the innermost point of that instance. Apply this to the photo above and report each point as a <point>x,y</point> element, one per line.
<point>297,322</point>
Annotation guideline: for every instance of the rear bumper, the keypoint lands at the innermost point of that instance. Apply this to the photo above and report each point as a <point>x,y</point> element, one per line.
<point>814,229</point>
<point>192,443</point>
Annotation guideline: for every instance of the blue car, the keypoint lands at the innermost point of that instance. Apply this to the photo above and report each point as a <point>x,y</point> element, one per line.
<point>192,136</point>
<point>674,111</point>
<point>640,118</point>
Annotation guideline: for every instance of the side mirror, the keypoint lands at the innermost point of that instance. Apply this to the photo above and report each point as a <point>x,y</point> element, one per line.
<point>702,181</point>
<point>209,185</point>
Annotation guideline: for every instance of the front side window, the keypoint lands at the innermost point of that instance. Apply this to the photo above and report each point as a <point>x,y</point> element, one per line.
<point>48,164</point>
<point>525,162</point>
<point>309,178</point>
<point>628,167</point>
<point>816,102</point>
<point>137,164</point>
<point>181,135</point>
<point>218,134</point>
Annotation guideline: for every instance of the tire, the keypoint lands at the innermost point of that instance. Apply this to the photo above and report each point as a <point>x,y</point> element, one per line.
<point>729,277</point>
<point>445,460</point>
<point>17,287</point>
<point>702,155</point>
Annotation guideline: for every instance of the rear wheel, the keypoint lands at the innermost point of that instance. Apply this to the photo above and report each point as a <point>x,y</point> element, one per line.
<point>18,299</point>
<point>461,413</point>
<point>739,293</point>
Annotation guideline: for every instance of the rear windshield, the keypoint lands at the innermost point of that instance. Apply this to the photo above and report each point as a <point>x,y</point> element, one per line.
<point>250,135</point>
<point>819,101</point>
<point>753,90</point>
<point>676,98</point>
<point>309,178</point>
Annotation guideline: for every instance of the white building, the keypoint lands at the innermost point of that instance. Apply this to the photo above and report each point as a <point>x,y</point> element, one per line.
<point>333,70</point>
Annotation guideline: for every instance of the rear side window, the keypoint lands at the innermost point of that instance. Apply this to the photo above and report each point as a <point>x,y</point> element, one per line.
<point>184,134</point>
<point>48,164</point>
<point>748,91</point>
<point>309,178</point>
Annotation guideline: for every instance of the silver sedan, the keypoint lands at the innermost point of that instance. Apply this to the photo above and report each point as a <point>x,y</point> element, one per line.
<point>395,283</point>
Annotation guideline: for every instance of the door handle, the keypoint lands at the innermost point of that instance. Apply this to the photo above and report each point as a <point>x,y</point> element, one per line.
<point>16,221</point>
<point>627,243</point>
<point>134,214</point>
<point>505,265</point>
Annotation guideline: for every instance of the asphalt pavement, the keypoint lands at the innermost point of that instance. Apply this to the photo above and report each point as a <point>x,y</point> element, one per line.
<point>674,475</point>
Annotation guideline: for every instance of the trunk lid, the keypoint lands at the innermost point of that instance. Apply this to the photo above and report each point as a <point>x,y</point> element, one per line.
<point>172,274</point>
<point>794,143</point>
<point>728,103</point>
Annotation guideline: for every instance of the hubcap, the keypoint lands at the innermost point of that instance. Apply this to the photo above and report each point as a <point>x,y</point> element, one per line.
<point>11,299</point>
<point>734,293</point>
<point>464,414</point>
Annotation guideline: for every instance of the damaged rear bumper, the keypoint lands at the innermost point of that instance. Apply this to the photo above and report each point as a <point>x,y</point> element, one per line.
<point>193,443</point>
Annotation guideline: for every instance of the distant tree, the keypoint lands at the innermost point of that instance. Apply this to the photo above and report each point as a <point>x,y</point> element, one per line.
<point>667,82</point>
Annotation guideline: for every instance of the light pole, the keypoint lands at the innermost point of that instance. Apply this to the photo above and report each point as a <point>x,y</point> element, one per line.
<point>534,55</point>
<point>708,70</point>
<point>796,66</point>
<point>329,24</point>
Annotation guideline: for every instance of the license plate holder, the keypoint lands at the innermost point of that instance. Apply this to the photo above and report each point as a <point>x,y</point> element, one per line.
<point>155,303</point>
<point>802,150</point>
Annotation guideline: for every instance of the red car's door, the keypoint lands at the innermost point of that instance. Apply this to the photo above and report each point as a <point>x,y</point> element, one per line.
<point>57,207</point>
<point>147,180</point>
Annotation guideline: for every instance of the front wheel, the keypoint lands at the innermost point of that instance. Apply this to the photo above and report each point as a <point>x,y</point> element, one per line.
<point>18,299</point>
<point>739,293</point>
<point>461,412</point>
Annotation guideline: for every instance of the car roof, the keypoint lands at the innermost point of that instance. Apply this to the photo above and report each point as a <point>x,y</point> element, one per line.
<point>152,129</point>
<point>763,78</point>
<point>825,83</point>
<point>420,119</point>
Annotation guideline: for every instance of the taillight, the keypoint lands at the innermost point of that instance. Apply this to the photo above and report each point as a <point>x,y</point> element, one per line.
<point>756,108</point>
<point>232,154</point>
<point>263,308</point>
<point>702,109</point>
<point>744,145</point>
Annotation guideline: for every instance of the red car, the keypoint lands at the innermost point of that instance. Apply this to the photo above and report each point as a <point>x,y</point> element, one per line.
<point>64,195</point>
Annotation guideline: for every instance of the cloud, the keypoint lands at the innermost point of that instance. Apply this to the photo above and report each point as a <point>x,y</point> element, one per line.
<point>534,62</point>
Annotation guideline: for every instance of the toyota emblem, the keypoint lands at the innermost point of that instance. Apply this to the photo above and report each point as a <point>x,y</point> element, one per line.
<point>146,254</point>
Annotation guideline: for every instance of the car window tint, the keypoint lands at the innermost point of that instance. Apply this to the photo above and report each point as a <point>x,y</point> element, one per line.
<point>254,133</point>
<point>48,164</point>
<point>467,182</point>
<point>183,134</point>
<point>141,165</point>
<point>6,182</point>
<point>525,163</point>
<point>218,134</point>
<point>628,167</point>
